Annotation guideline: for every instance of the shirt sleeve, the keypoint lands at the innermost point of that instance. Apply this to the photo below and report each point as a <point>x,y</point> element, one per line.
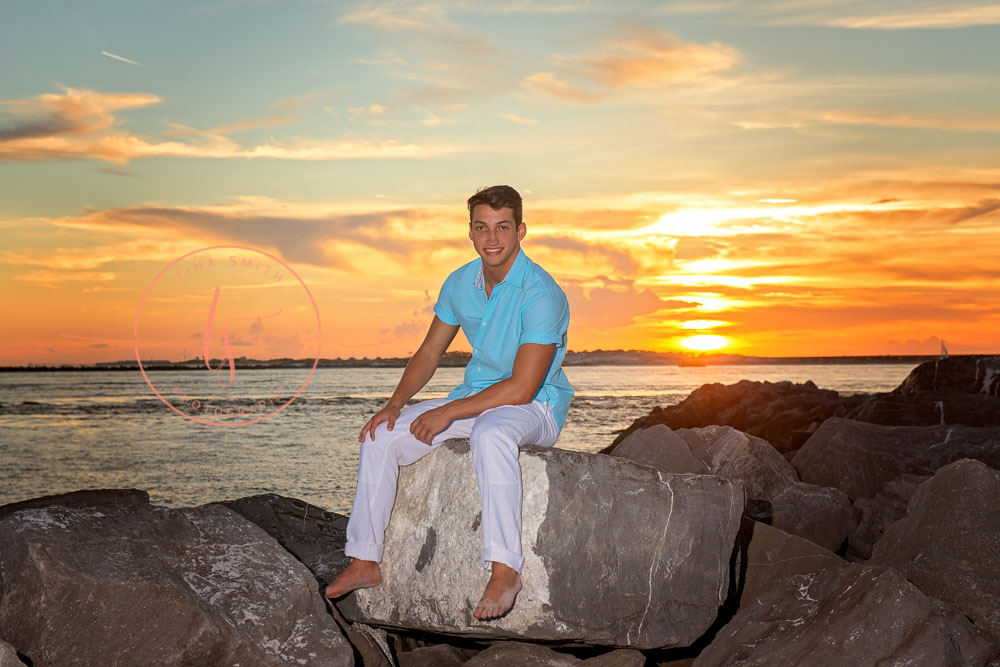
<point>545,319</point>
<point>443,306</point>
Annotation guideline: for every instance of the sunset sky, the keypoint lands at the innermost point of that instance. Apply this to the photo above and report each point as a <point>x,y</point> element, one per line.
<point>818,177</point>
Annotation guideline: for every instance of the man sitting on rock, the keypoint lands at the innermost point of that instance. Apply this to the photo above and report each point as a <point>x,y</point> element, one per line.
<point>514,393</point>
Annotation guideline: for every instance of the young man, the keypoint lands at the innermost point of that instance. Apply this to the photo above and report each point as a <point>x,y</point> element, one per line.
<point>515,317</point>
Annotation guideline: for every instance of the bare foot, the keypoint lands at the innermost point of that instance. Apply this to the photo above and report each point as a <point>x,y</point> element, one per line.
<point>500,592</point>
<point>359,574</point>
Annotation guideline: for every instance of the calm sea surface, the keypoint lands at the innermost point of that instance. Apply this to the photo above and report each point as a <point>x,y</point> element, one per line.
<point>61,431</point>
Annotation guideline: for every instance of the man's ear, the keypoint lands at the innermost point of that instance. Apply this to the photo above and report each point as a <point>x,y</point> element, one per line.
<point>470,233</point>
<point>521,229</point>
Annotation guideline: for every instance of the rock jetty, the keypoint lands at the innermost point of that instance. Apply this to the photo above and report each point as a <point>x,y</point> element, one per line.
<point>783,413</point>
<point>695,543</point>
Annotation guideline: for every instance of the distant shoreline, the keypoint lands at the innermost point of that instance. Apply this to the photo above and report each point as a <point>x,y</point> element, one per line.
<point>460,359</point>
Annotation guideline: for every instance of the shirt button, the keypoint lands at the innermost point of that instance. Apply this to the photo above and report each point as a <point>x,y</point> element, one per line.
<point>484,324</point>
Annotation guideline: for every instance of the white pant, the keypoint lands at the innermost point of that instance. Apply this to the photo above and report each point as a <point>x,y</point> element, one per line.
<point>494,436</point>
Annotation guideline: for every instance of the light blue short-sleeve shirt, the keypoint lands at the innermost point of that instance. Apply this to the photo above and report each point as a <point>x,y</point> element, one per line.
<point>528,306</point>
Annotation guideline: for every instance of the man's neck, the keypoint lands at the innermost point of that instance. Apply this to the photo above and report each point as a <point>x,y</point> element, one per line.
<point>493,277</point>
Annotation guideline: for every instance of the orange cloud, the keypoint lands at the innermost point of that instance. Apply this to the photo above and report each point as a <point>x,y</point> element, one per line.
<point>651,59</point>
<point>79,125</point>
<point>619,259</point>
<point>643,58</point>
<point>614,303</point>
<point>546,83</point>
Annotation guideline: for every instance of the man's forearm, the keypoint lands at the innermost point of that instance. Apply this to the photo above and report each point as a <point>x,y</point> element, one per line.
<point>419,370</point>
<point>505,392</point>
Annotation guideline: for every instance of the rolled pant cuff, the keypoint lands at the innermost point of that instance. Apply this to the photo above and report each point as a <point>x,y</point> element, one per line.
<point>372,552</point>
<point>499,555</point>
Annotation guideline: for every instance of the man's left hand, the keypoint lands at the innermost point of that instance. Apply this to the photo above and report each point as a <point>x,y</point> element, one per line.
<point>430,423</point>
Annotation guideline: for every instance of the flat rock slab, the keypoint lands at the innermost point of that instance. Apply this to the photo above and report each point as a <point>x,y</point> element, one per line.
<point>774,555</point>
<point>851,615</point>
<point>615,553</point>
<point>122,582</point>
<point>949,542</point>
<point>315,536</point>
<point>860,458</point>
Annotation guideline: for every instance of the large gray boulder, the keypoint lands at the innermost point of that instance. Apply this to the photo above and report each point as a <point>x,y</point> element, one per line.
<point>850,615</point>
<point>119,581</point>
<point>948,544</point>
<point>312,534</point>
<point>661,448</point>
<point>860,459</point>
<point>954,390</point>
<point>777,496</point>
<point>615,553</point>
<point>967,374</point>
<point>871,517</point>
<point>774,555</point>
<point>736,455</point>
<point>820,514</point>
<point>316,537</point>
<point>934,408</point>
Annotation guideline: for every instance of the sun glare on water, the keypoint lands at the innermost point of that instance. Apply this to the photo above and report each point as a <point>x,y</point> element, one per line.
<point>704,343</point>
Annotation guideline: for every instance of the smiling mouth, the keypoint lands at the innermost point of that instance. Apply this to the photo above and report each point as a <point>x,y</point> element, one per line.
<point>492,251</point>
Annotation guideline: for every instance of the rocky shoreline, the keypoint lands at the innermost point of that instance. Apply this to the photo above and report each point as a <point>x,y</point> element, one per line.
<point>750,524</point>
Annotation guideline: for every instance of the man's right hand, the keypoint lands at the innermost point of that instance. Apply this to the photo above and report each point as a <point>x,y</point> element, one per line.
<point>386,414</point>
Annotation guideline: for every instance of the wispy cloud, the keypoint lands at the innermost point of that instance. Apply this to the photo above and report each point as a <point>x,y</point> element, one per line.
<point>121,58</point>
<point>430,15</point>
<point>79,124</point>
<point>517,120</point>
<point>804,118</point>
<point>857,14</point>
<point>53,279</point>
<point>548,84</point>
<point>640,59</point>
<point>399,16</point>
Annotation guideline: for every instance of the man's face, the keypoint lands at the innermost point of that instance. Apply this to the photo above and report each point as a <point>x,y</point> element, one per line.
<point>495,237</point>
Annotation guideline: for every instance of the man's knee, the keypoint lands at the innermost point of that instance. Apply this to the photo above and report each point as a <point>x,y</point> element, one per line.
<point>494,430</point>
<point>383,442</point>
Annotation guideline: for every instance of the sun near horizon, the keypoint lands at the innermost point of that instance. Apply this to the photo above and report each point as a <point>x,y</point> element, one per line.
<point>704,343</point>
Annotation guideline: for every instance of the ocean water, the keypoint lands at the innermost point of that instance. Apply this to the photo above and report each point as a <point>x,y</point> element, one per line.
<point>62,431</point>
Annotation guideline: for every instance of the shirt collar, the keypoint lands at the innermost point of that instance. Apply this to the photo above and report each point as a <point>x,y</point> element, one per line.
<point>515,275</point>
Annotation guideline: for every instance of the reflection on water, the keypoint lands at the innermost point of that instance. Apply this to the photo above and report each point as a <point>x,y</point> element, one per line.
<point>61,431</point>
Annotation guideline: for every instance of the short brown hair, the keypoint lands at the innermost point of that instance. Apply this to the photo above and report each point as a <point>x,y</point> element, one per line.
<point>497,197</point>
